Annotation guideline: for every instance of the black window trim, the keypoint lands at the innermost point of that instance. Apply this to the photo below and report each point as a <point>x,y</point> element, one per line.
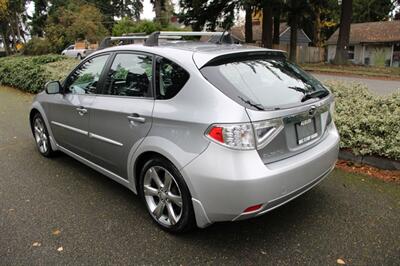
<point>108,64</point>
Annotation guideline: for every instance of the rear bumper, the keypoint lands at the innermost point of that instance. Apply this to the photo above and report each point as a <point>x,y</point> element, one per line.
<point>225,182</point>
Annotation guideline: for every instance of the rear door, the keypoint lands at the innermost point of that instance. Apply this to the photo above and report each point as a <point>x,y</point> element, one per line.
<point>70,114</point>
<point>289,108</point>
<point>122,113</point>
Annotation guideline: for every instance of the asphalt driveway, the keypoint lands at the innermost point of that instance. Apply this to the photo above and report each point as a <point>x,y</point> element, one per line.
<point>58,211</point>
<point>377,86</point>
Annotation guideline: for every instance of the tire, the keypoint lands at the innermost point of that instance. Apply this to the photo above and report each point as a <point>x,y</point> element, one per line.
<point>170,206</point>
<point>41,136</point>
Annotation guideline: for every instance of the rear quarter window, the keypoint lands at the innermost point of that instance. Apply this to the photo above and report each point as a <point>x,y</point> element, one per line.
<point>170,79</point>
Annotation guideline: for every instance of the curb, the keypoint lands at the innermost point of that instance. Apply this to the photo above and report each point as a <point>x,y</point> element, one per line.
<point>378,162</point>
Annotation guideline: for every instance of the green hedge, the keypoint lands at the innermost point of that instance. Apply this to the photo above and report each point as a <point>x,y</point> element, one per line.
<point>368,124</point>
<point>30,73</point>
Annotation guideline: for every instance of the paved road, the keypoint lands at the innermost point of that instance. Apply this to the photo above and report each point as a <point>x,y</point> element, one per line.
<point>47,204</point>
<point>378,86</point>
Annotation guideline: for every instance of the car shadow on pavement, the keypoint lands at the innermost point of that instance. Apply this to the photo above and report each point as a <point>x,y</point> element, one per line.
<point>282,220</point>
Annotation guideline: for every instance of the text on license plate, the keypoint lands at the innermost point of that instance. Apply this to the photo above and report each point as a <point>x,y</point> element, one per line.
<point>306,131</point>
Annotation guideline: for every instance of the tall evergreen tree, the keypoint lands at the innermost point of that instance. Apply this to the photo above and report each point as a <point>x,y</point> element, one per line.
<point>297,10</point>
<point>266,36</point>
<point>209,14</point>
<point>39,17</point>
<point>341,55</point>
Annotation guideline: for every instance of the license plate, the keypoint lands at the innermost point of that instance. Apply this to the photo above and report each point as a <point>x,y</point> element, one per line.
<point>306,131</point>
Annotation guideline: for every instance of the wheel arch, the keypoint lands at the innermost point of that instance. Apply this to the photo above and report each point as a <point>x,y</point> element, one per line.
<point>140,162</point>
<point>32,114</point>
<point>37,108</point>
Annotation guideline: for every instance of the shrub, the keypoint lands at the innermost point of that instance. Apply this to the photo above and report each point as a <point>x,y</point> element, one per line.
<point>368,124</point>
<point>37,46</point>
<point>30,73</point>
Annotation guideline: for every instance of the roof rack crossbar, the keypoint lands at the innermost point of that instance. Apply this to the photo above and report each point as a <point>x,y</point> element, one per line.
<point>190,33</point>
<point>152,39</point>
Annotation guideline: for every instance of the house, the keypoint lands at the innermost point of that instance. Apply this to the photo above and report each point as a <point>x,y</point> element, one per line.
<point>371,43</point>
<point>284,34</point>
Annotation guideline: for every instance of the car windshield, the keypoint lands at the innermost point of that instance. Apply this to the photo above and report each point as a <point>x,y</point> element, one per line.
<point>264,82</point>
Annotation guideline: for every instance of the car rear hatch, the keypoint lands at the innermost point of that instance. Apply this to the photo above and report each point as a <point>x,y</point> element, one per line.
<point>289,109</point>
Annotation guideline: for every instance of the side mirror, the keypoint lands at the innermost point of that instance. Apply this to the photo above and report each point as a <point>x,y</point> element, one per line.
<point>53,87</point>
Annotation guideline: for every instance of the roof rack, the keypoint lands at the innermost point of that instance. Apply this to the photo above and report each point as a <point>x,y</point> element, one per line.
<point>152,39</point>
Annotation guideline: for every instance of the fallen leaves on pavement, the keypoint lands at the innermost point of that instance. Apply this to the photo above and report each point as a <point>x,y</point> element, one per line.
<point>36,244</point>
<point>385,175</point>
<point>55,232</point>
<point>340,261</point>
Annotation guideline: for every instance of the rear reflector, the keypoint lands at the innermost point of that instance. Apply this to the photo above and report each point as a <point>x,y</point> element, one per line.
<point>253,208</point>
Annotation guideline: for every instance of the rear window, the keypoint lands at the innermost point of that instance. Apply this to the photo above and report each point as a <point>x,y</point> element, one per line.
<point>263,82</point>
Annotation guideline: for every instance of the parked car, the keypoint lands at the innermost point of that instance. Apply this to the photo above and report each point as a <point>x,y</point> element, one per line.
<point>202,132</point>
<point>70,51</point>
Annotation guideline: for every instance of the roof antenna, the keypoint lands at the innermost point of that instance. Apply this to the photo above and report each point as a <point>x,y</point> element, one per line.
<point>222,37</point>
<point>225,38</point>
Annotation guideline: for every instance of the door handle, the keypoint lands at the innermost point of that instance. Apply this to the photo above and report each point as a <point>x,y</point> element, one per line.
<point>81,110</point>
<point>136,118</point>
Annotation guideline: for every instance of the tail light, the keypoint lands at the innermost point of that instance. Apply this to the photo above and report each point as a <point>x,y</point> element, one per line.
<point>331,114</point>
<point>265,131</point>
<point>245,136</point>
<point>235,136</point>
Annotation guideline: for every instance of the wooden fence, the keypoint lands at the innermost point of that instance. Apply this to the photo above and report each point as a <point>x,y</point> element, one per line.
<point>305,54</point>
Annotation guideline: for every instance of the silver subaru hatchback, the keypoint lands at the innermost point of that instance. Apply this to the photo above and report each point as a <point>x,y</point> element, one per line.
<point>202,132</point>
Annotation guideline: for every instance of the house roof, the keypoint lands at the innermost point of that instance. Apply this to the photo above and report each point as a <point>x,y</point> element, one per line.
<point>239,31</point>
<point>370,32</point>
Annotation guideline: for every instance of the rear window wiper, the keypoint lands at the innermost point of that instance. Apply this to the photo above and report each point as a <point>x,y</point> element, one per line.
<point>255,105</point>
<point>316,94</point>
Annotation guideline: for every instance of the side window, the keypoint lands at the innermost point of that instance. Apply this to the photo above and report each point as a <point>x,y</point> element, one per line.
<point>130,75</point>
<point>170,78</point>
<point>85,79</point>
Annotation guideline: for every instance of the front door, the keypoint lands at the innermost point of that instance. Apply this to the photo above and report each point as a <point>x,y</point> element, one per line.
<point>122,114</point>
<point>70,115</point>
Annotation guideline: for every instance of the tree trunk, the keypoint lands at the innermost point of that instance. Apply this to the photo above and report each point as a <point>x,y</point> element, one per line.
<point>6,41</point>
<point>249,25</point>
<point>267,24</point>
<point>317,26</point>
<point>277,23</point>
<point>18,26</point>
<point>293,40</point>
<point>157,9</point>
<point>341,55</point>
<point>13,36</point>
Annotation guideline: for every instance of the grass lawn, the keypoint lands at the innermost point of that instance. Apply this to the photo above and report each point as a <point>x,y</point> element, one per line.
<point>372,71</point>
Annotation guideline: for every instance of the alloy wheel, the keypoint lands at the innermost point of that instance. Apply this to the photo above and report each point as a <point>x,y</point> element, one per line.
<point>163,196</point>
<point>41,138</point>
